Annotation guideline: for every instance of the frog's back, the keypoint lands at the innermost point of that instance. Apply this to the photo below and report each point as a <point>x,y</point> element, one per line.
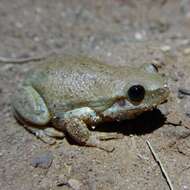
<point>69,82</point>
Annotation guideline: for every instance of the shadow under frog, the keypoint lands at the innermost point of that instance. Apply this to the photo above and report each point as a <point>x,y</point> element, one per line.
<point>144,124</point>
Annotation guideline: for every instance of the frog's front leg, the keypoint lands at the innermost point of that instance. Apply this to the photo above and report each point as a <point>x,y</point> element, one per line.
<point>30,109</point>
<point>76,123</point>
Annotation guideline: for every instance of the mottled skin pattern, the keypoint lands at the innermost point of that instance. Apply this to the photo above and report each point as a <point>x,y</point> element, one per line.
<point>73,92</point>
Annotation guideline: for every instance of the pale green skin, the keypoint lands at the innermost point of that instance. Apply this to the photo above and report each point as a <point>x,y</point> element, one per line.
<point>76,92</point>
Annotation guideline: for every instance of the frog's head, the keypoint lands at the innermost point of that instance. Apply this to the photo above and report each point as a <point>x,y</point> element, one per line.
<point>144,90</point>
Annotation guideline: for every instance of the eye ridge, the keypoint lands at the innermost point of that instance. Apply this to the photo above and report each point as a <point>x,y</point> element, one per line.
<point>136,93</point>
<point>155,67</point>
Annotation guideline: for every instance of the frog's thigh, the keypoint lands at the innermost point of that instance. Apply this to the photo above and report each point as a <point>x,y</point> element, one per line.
<point>29,106</point>
<point>79,132</point>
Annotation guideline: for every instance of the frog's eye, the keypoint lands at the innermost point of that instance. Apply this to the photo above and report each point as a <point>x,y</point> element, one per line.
<point>136,93</point>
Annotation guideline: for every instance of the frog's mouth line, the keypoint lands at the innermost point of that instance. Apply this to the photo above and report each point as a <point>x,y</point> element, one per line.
<point>125,109</point>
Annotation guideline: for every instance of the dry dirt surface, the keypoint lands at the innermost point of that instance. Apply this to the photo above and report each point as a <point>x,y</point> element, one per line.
<point>119,32</point>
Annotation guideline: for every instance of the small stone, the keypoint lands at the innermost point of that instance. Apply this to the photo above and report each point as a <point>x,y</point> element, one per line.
<point>174,76</point>
<point>6,67</point>
<point>18,24</point>
<point>109,54</point>
<point>36,39</point>
<point>184,42</point>
<point>43,161</point>
<point>61,181</point>
<point>186,51</point>
<point>185,187</point>
<point>165,48</point>
<point>74,184</point>
<point>140,35</point>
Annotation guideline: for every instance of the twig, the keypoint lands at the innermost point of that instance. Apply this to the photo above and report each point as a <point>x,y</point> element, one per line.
<point>184,91</point>
<point>23,60</point>
<point>160,165</point>
<point>179,123</point>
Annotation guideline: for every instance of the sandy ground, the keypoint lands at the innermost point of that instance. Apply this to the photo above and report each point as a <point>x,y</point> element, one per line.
<point>120,32</point>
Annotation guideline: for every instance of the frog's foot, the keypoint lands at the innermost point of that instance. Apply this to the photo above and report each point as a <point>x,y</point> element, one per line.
<point>79,132</point>
<point>47,135</point>
<point>29,107</point>
<point>110,136</point>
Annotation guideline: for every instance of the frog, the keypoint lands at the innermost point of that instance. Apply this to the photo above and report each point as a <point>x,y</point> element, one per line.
<point>72,94</point>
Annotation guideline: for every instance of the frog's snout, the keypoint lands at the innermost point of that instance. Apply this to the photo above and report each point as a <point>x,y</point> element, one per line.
<point>158,96</point>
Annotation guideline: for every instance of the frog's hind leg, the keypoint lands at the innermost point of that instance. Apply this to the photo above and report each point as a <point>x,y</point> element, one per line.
<point>29,107</point>
<point>75,124</point>
<point>80,133</point>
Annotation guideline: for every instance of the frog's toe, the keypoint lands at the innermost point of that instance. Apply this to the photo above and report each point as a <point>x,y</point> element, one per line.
<point>110,136</point>
<point>41,134</point>
<point>51,132</point>
<point>94,141</point>
<point>29,106</point>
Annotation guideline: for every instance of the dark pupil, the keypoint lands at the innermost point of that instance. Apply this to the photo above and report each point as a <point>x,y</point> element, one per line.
<point>136,93</point>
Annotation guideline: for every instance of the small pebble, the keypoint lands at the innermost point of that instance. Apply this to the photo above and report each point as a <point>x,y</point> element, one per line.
<point>6,67</point>
<point>186,51</point>
<point>74,184</point>
<point>185,187</point>
<point>184,42</point>
<point>165,48</point>
<point>174,76</point>
<point>61,181</point>
<point>18,24</point>
<point>140,35</point>
<point>42,161</point>
<point>180,74</point>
